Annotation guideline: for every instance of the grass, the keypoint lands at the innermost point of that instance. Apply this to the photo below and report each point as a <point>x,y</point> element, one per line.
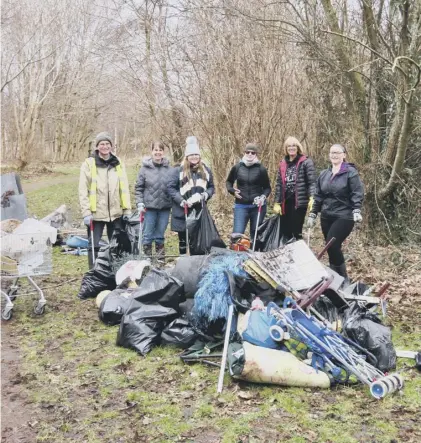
<point>82,387</point>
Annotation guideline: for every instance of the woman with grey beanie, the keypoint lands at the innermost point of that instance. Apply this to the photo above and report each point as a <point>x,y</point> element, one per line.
<point>103,191</point>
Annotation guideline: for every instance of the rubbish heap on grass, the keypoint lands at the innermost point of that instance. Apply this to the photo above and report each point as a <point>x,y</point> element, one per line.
<point>282,314</point>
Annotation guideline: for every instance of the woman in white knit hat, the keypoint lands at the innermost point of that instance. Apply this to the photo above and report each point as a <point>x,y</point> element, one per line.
<point>189,185</point>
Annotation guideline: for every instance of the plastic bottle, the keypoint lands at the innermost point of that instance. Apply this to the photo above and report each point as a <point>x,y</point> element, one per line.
<point>257,305</point>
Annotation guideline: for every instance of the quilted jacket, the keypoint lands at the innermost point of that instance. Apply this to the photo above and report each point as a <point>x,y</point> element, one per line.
<point>151,185</point>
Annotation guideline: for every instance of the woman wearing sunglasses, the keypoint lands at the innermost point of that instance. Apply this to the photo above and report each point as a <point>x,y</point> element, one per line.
<point>251,190</point>
<point>339,197</point>
<point>295,186</point>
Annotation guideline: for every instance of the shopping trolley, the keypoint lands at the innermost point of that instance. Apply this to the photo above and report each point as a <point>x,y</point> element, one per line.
<point>24,256</point>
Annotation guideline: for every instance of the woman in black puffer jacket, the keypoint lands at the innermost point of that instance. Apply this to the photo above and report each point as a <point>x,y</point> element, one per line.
<point>295,186</point>
<point>252,190</point>
<point>339,197</point>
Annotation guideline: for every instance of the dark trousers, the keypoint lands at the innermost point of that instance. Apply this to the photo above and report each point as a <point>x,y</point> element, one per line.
<point>340,229</point>
<point>293,220</point>
<point>98,230</point>
<point>182,243</point>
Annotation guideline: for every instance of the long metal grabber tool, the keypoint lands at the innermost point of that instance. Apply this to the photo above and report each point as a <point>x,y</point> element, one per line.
<point>141,220</point>
<point>91,228</point>
<point>259,211</point>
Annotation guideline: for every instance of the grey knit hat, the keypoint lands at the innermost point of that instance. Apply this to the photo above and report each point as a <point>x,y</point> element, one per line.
<point>103,136</point>
<point>192,146</point>
<point>253,147</point>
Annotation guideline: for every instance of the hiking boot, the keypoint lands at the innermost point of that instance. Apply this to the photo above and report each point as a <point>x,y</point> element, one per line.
<point>341,270</point>
<point>147,250</point>
<point>160,253</point>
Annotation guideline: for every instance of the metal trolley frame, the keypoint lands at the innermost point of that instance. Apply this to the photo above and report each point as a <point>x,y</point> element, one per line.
<point>24,256</point>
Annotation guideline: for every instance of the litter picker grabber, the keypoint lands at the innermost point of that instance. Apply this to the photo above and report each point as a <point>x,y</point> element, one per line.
<point>225,350</point>
<point>141,220</point>
<point>308,236</point>
<point>186,210</point>
<point>91,227</point>
<point>259,211</point>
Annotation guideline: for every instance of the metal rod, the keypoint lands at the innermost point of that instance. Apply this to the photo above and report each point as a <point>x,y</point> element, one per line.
<point>91,226</point>
<point>187,231</point>
<point>327,246</point>
<point>225,350</point>
<point>257,226</point>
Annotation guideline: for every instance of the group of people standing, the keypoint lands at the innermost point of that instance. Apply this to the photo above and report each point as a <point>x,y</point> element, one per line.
<point>160,190</point>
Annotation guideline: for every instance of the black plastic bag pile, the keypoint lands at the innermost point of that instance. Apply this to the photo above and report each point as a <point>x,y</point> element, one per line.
<point>154,307</point>
<point>110,259</point>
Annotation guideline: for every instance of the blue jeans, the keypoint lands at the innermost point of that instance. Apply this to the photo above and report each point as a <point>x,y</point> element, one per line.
<point>155,224</point>
<point>245,213</point>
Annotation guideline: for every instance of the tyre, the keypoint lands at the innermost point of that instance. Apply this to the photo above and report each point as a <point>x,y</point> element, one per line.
<point>39,310</point>
<point>7,315</point>
<point>276,333</point>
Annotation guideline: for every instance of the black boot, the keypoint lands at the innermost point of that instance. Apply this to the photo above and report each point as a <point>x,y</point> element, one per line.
<point>341,270</point>
<point>147,250</point>
<point>160,253</point>
<point>182,248</point>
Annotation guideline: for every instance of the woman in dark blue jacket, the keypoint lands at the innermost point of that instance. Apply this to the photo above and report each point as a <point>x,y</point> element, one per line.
<point>339,197</point>
<point>251,190</point>
<point>191,185</point>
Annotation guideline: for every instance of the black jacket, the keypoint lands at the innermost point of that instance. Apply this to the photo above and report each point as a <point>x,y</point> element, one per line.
<point>305,182</point>
<point>337,196</point>
<point>151,185</point>
<point>178,222</point>
<point>252,181</point>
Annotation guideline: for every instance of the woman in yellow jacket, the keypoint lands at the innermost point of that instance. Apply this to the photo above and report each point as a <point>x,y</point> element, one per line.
<point>103,191</point>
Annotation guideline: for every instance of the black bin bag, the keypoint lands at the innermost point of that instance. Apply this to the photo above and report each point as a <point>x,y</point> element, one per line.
<point>365,328</point>
<point>100,278</point>
<point>154,305</point>
<point>269,234</point>
<point>179,333</point>
<point>203,235</point>
<point>114,306</point>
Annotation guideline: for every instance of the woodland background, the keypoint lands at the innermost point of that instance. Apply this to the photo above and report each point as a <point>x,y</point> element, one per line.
<point>229,72</point>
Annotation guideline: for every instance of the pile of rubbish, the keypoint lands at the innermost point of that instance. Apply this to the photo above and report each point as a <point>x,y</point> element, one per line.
<point>280,316</point>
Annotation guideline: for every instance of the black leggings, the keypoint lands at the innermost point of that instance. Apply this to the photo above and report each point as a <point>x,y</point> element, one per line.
<point>182,244</point>
<point>339,228</point>
<point>293,220</point>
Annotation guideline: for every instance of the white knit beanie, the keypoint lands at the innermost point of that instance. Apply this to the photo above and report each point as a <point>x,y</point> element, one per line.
<point>192,146</point>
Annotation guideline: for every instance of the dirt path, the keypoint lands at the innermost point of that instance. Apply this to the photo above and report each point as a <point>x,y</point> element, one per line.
<point>16,413</point>
<point>59,180</point>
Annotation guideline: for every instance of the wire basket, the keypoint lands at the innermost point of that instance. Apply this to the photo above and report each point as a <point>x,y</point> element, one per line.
<point>25,255</point>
